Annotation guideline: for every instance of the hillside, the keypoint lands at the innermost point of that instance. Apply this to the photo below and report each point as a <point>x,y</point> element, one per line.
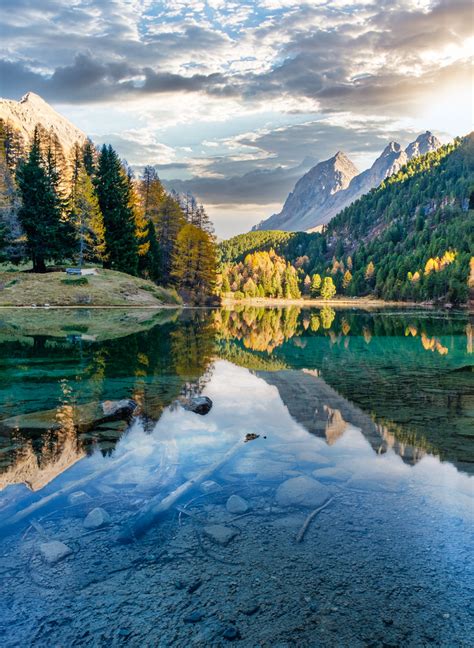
<point>412,238</point>
<point>106,288</point>
<point>332,185</point>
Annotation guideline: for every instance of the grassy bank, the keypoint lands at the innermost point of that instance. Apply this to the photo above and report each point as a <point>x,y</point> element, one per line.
<point>106,288</point>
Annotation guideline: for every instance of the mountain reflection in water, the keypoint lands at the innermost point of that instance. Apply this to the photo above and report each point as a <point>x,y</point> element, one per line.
<point>365,418</point>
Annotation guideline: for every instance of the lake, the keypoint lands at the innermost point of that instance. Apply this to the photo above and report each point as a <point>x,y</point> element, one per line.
<point>326,498</point>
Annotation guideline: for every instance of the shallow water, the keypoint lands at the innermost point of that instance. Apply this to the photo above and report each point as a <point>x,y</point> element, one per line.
<point>365,419</point>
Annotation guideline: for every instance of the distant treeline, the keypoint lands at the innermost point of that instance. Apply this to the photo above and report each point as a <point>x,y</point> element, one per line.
<point>410,239</point>
<point>90,208</point>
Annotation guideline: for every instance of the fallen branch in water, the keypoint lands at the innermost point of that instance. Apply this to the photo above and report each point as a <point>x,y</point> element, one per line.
<point>310,518</point>
<point>32,508</point>
<point>157,506</point>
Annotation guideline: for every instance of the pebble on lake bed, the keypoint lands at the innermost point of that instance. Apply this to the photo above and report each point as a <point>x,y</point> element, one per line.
<point>302,491</point>
<point>219,533</point>
<point>96,518</point>
<point>54,551</point>
<point>236,505</point>
<point>78,497</point>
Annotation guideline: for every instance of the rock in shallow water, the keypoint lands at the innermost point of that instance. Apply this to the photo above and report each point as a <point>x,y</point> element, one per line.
<point>198,405</point>
<point>219,533</point>
<point>78,497</point>
<point>302,491</point>
<point>96,518</point>
<point>54,551</point>
<point>210,486</point>
<point>332,474</point>
<point>236,504</point>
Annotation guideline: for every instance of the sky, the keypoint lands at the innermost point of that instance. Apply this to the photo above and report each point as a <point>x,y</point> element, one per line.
<point>234,101</point>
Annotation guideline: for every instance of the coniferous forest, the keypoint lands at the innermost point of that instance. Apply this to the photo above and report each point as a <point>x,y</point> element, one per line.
<point>88,207</point>
<point>410,239</point>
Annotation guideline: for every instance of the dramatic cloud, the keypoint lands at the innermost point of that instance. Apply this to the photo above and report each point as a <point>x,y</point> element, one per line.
<point>239,93</point>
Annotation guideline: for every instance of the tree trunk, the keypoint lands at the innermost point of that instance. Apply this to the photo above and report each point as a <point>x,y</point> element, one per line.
<point>38,264</point>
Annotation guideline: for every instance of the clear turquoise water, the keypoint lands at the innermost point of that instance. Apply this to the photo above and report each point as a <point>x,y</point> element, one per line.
<point>367,414</point>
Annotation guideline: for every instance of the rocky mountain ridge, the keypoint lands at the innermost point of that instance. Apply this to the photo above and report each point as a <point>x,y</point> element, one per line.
<point>23,115</point>
<point>332,185</point>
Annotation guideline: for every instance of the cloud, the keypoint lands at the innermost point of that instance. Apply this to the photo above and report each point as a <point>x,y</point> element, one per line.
<point>238,94</point>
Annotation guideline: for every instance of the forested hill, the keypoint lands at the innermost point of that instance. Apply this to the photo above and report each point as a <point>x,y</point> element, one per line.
<point>411,238</point>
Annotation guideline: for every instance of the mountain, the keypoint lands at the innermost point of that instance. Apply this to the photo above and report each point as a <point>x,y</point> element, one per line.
<point>313,192</point>
<point>330,186</point>
<point>409,239</point>
<point>23,115</point>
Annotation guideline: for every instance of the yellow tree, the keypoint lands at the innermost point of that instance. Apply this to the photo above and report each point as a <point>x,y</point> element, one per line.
<point>346,280</point>
<point>328,289</point>
<point>194,264</point>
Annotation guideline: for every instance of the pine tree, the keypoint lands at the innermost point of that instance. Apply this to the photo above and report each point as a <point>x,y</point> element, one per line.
<point>89,157</point>
<point>49,237</point>
<point>114,201</point>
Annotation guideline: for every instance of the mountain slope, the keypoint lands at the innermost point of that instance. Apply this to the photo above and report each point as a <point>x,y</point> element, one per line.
<point>23,116</point>
<point>318,196</point>
<point>313,193</point>
<point>411,238</point>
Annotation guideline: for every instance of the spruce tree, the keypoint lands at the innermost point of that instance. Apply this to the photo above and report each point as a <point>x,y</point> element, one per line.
<point>114,200</point>
<point>48,235</point>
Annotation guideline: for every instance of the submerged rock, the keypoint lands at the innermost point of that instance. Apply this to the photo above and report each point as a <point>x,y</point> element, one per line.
<point>302,491</point>
<point>78,497</point>
<point>198,404</point>
<point>236,504</point>
<point>332,474</point>
<point>194,617</point>
<point>210,486</point>
<point>96,519</point>
<point>54,551</point>
<point>231,633</point>
<point>220,534</point>
<point>119,409</point>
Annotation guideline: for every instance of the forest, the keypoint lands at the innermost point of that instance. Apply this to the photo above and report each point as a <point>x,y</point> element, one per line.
<point>410,239</point>
<point>89,208</point>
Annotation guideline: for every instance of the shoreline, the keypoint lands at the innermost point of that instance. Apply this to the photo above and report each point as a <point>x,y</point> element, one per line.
<point>357,302</point>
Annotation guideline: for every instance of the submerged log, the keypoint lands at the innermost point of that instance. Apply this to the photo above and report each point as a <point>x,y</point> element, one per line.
<point>74,485</point>
<point>149,514</point>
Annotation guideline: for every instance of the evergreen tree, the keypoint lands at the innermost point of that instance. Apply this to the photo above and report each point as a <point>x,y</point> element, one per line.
<point>48,235</point>
<point>114,200</point>
<point>89,157</point>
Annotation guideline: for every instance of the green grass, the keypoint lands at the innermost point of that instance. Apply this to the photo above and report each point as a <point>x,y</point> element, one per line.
<point>106,288</point>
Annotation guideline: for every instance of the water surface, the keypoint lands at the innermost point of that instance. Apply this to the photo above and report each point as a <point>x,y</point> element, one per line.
<point>366,418</point>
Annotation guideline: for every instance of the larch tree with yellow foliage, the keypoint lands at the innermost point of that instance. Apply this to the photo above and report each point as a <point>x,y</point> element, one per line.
<point>194,264</point>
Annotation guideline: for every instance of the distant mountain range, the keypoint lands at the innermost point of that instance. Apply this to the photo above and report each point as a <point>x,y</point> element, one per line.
<point>23,115</point>
<point>333,184</point>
